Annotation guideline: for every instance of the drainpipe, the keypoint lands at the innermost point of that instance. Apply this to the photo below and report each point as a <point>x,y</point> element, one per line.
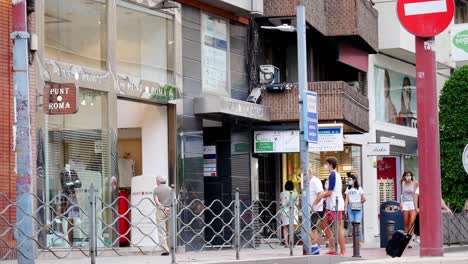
<point>24,231</point>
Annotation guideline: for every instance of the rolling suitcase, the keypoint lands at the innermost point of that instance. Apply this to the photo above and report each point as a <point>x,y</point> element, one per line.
<point>397,245</point>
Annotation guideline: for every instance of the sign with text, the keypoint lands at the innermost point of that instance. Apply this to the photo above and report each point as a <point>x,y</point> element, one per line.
<point>60,98</point>
<point>276,141</point>
<point>459,36</point>
<point>311,124</point>
<point>143,232</point>
<point>378,149</point>
<point>425,18</point>
<point>209,161</point>
<point>330,138</point>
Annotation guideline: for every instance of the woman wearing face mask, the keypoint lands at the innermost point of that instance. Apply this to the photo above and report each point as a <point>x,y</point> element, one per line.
<point>354,200</point>
<point>408,189</point>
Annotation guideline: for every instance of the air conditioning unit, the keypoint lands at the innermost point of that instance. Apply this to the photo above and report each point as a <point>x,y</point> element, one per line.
<point>269,74</point>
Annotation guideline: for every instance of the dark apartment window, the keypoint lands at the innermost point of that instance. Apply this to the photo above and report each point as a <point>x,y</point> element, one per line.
<point>461,12</point>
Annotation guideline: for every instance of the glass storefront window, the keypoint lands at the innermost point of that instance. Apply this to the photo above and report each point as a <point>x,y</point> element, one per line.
<point>75,32</point>
<point>76,154</point>
<point>395,100</point>
<point>145,44</point>
<point>349,161</point>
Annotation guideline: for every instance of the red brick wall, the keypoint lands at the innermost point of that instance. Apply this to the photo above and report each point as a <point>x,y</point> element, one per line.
<point>315,11</point>
<point>7,159</point>
<point>332,17</point>
<point>7,183</point>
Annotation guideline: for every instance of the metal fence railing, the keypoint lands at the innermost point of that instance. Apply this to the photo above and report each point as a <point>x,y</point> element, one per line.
<point>455,228</point>
<point>67,227</point>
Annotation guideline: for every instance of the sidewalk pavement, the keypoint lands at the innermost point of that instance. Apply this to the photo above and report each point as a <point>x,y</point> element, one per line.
<point>370,253</point>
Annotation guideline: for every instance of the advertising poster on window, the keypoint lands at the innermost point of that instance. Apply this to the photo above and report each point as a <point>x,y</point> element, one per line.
<point>214,54</point>
<point>395,97</point>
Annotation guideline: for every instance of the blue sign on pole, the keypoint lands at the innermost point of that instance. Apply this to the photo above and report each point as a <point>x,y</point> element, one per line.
<point>311,117</point>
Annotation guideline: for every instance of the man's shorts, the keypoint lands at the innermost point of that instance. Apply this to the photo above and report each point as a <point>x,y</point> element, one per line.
<point>330,216</point>
<point>315,218</point>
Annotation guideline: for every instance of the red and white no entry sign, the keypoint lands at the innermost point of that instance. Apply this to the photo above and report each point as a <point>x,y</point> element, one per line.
<point>425,18</point>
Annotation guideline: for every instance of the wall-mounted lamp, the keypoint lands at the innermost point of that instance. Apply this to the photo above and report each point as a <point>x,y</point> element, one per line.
<point>83,102</point>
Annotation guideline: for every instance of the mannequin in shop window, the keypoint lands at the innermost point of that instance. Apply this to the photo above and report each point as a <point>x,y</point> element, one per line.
<point>70,209</point>
<point>126,170</point>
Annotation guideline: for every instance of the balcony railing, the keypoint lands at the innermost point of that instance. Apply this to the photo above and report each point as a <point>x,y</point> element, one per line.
<point>338,102</point>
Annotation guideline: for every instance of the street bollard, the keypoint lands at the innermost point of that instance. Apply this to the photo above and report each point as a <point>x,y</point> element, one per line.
<point>336,226</point>
<point>291,226</point>
<point>237,224</point>
<point>390,229</point>
<point>356,246</point>
<point>173,225</point>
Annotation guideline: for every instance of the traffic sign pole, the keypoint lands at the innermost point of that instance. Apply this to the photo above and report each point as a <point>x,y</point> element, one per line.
<point>425,19</point>
<point>428,149</point>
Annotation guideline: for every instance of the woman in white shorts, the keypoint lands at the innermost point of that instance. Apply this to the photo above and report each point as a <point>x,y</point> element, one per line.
<point>408,188</point>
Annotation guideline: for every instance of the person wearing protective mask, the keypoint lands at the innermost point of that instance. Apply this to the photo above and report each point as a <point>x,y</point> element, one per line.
<point>354,199</point>
<point>407,198</point>
<point>333,191</point>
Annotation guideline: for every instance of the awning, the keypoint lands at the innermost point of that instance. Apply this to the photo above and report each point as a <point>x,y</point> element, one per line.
<point>216,107</point>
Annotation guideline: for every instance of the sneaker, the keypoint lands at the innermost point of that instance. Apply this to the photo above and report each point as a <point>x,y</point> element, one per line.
<point>315,250</point>
<point>165,254</point>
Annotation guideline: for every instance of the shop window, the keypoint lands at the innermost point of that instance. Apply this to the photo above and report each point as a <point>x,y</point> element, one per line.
<point>395,100</point>
<point>349,162</point>
<point>75,32</point>
<point>76,149</point>
<point>214,55</point>
<point>145,45</point>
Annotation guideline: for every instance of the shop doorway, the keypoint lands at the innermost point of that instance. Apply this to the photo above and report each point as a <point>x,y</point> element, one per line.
<point>142,140</point>
<point>142,147</point>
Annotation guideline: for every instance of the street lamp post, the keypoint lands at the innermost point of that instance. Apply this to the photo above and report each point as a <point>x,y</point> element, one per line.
<point>304,144</point>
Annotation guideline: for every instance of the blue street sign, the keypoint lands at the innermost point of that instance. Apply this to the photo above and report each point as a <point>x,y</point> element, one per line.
<point>311,117</point>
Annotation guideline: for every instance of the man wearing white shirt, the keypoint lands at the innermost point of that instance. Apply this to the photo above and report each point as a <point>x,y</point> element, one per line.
<point>316,189</point>
<point>332,194</point>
